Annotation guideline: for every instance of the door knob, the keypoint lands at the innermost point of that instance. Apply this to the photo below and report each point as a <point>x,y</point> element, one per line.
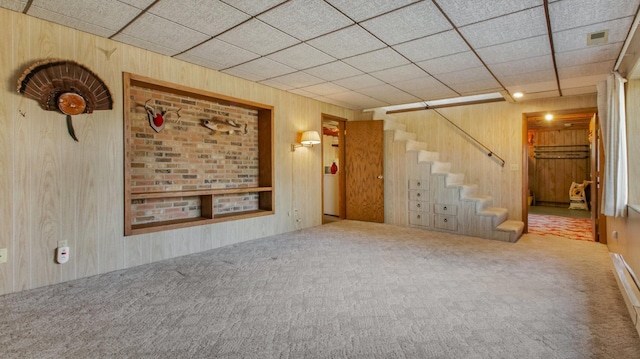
<point>380,177</point>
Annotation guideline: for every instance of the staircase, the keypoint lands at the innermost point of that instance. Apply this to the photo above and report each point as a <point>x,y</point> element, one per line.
<point>421,191</point>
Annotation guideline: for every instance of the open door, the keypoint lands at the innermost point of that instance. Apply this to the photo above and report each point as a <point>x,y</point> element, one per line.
<point>333,185</point>
<point>598,220</point>
<point>364,168</point>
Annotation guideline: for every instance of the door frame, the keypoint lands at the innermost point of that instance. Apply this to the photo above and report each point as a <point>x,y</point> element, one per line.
<point>342,203</point>
<point>525,156</point>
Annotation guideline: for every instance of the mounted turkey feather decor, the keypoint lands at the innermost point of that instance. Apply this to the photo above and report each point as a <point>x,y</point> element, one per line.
<point>65,86</point>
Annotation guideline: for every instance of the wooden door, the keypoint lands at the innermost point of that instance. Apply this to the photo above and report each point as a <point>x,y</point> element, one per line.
<point>598,220</point>
<point>364,168</point>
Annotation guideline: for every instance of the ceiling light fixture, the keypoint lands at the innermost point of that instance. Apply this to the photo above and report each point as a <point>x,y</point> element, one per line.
<point>518,94</point>
<point>462,100</point>
<point>548,117</point>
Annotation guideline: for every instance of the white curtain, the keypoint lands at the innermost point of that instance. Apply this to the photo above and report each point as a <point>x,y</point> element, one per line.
<point>611,110</point>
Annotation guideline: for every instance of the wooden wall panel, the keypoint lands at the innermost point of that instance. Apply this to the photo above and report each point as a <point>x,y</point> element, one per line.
<point>6,164</point>
<point>58,189</point>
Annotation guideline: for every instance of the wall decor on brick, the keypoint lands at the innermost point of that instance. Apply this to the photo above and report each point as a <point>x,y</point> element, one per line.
<point>211,163</point>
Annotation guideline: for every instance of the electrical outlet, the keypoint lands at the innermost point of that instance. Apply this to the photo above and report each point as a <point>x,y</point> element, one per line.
<point>3,255</point>
<point>63,243</point>
<point>514,167</point>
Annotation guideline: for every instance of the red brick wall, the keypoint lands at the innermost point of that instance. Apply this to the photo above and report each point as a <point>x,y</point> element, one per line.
<point>186,155</point>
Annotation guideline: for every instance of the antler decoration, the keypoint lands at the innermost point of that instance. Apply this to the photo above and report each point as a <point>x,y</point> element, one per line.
<point>157,120</point>
<point>225,126</point>
<point>67,87</point>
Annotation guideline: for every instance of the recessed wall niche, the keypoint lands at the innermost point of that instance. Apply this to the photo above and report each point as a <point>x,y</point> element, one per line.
<point>207,158</point>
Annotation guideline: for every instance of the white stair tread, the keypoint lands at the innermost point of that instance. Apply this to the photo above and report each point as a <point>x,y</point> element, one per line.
<point>511,226</point>
<point>399,135</point>
<point>390,125</point>
<point>413,145</point>
<point>427,156</point>
<point>494,211</point>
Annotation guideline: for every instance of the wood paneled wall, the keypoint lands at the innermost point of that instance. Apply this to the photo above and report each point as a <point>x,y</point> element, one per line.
<point>53,188</point>
<point>550,178</point>
<point>499,126</point>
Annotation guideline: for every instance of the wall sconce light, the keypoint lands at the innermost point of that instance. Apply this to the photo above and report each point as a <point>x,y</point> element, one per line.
<point>309,138</point>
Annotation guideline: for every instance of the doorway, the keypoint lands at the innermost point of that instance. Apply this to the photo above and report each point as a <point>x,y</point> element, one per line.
<point>560,174</point>
<point>333,174</point>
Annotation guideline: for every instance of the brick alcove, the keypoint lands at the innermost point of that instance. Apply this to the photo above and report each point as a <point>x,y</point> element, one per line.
<point>188,174</point>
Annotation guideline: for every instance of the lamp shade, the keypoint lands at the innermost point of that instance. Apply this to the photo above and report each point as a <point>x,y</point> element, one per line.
<point>310,138</point>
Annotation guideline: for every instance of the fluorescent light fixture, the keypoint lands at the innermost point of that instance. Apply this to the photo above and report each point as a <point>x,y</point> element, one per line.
<point>442,102</point>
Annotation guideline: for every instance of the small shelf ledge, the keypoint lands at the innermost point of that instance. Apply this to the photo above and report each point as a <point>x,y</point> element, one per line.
<point>203,192</point>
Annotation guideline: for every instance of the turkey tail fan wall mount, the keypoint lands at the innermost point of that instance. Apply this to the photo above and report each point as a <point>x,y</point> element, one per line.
<point>66,87</point>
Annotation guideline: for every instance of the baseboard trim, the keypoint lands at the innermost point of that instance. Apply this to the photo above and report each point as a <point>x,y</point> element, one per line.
<point>628,284</point>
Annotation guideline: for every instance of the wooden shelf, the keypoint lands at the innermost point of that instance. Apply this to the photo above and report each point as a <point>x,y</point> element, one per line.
<point>203,192</point>
<point>196,221</point>
<point>263,187</point>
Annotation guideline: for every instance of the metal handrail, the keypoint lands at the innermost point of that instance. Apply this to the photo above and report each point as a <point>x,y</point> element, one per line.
<point>486,149</point>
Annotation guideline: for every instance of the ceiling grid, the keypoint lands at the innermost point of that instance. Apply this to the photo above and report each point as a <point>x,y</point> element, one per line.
<point>370,53</point>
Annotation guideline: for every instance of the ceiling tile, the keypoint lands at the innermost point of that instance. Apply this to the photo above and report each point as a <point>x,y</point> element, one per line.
<point>149,30</point>
<point>377,60</point>
<point>426,88</point>
<point>594,68</point>
<point>234,71</point>
<point>582,81</point>
<point>431,47</point>
<point>450,63</point>
<point>409,23</point>
<point>258,37</point>
<point>301,56</point>
<point>304,93</point>
<point>333,71</point>
<point>531,64</point>
<point>536,77</point>
<point>324,89</point>
<point>479,89</point>
<point>515,50</point>
<point>388,93</point>
<point>400,73</point>
<point>253,7</point>
<point>576,38</point>
<point>360,10</point>
<point>358,82</point>
<point>140,4</point>
<point>464,12</point>
<point>506,28</point>
<point>276,84</point>
<point>219,52</point>
<point>15,5</point>
<point>298,79</point>
<point>589,54</point>
<point>532,87</point>
<point>204,62</point>
<point>457,77</point>
<point>359,101</point>
<point>210,17</point>
<point>102,18</point>
<point>337,102</point>
<point>305,19</point>
<point>579,90</point>
<point>347,42</point>
<point>568,14</point>
<point>264,68</point>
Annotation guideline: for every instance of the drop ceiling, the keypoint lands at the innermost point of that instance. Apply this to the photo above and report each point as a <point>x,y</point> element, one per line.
<point>370,53</point>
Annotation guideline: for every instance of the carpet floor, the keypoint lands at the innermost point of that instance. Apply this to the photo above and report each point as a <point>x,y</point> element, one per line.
<point>565,227</point>
<point>343,290</point>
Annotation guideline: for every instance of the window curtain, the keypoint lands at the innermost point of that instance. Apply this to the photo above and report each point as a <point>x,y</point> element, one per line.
<point>611,110</point>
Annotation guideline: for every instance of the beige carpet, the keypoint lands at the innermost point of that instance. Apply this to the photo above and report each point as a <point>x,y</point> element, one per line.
<point>342,290</point>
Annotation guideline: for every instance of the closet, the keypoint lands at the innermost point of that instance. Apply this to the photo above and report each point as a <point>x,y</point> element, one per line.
<point>557,159</point>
